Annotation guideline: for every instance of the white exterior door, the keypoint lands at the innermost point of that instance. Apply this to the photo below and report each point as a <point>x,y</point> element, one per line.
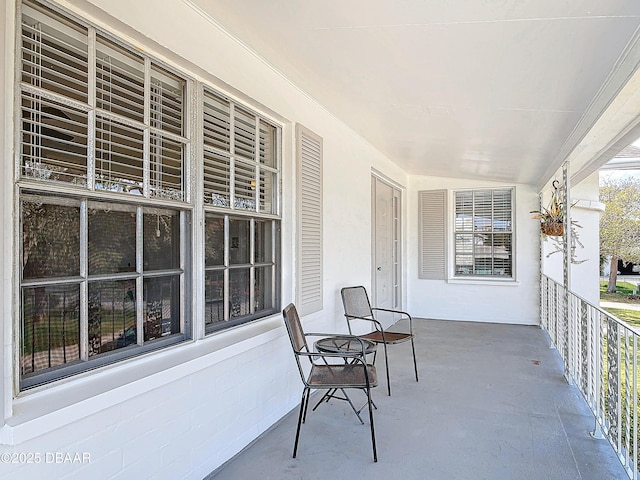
<point>386,244</point>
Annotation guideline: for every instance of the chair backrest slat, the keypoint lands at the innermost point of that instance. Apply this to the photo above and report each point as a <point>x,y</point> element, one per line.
<point>356,302</point>
<point>294,327</point>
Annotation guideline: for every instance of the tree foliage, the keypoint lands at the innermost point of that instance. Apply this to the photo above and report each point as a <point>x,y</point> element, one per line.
<point>620,222</point>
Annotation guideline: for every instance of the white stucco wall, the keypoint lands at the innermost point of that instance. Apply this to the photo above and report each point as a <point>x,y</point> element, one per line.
<point>486,301</point>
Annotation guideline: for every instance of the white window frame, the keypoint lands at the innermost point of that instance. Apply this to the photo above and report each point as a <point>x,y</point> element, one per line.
<point>220,201</point>
<point>53,185</point>
<point>453,276</point>
<point>145,195</point>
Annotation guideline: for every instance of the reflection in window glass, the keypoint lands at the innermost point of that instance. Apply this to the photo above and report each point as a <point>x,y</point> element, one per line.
<point>214,297</point>
<point>214,240</point>
<point>263,241</point>
<point>502,249</point>
<point>240,287</point>
<point>239,241</point>
<point>263,288</point>
<point>239,292</point>
<point>161,240</point>
<point>50,330</point>
<point>161,306</point>
<point>112,239</point>
<point>464,254</point>
<point>50,240</point>
<point>112,315</point>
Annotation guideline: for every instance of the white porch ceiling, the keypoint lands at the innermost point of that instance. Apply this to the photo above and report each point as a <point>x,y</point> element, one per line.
<point>494,89</point>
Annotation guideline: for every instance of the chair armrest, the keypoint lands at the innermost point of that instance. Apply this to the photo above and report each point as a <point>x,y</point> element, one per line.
<point>368,319</point>
<point>332,334</point>
<point>393,311</point>
<point>406,314</point>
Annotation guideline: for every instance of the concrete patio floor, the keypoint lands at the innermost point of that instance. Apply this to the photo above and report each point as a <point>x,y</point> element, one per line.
<point>491,403</point>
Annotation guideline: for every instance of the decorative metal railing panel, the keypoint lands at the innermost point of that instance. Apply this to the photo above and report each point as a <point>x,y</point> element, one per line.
<point>600,353</point>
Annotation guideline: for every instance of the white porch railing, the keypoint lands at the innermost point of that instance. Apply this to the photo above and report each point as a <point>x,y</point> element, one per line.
<point>600,354</point>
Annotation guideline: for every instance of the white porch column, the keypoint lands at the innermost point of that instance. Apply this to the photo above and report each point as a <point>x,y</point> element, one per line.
<point>566,263</point>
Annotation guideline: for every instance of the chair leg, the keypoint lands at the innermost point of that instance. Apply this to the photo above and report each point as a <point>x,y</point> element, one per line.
<point>386,362</point>
<point>325,399</point>
<point>303,408</point>
<point>373,430</point>
<point>415,364</point>
<point>306,407</point>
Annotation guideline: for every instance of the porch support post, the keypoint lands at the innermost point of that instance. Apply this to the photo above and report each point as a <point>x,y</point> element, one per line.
<point>566,265</point>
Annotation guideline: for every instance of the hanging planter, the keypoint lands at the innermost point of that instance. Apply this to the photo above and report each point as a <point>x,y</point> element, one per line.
<point>552,229</point>
<point>552,226</point>
<point>552,217</point>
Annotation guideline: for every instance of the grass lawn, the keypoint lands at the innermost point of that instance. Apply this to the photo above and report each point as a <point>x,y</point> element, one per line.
<point>632,317</point>
<point>623,291</point>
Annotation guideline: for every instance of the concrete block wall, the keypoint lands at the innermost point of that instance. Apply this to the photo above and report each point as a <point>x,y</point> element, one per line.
<point>184,429</point>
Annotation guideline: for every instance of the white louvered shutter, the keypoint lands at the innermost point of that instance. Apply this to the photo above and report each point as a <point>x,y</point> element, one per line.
<point>309,153</point>
<point>432,234</point>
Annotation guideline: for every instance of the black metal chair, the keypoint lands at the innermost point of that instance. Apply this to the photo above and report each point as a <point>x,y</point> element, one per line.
<point>353,372</point>
<point>357,307</point>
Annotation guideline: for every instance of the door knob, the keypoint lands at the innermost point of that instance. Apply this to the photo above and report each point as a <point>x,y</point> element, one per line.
<point>379,269</point>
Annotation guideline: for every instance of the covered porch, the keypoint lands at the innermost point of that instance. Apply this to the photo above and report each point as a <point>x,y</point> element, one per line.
<point>426,101</point>
<point>492,403</point>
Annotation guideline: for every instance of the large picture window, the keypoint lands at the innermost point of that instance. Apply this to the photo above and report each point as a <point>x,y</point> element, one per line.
<point>484,233</point>
<point>132,294</point>
<point>104,212</point>
<point>107,174</point>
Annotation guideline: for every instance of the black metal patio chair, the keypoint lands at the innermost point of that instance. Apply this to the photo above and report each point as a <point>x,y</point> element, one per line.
<point>357,307</point>
<point>353,372</point>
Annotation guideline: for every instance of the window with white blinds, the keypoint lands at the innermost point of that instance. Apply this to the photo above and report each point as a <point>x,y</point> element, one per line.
<point>119,80</point>
<point>240,157</point>
<point>483,226</point>
<point>242,224</point>
<point>309,154</point>
<point>107,167</point>
<point>103,208</point>
<point>126,135</point>
<point>432,210</point>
